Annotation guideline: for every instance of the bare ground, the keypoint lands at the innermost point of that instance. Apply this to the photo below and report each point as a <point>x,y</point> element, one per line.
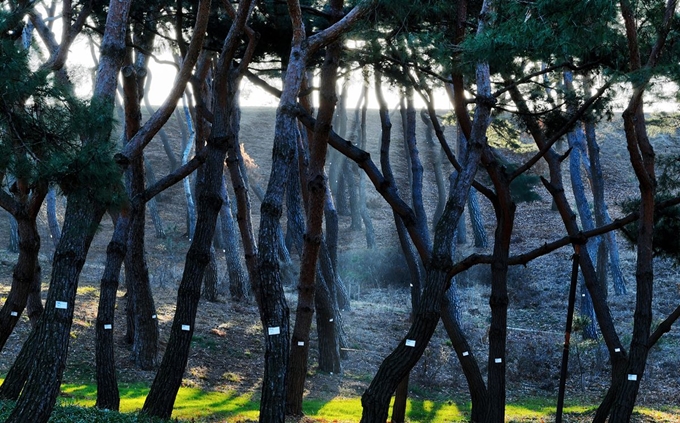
<point>227,352</point>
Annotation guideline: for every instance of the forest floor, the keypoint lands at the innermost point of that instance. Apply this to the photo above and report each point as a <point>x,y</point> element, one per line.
<point>227,349</point>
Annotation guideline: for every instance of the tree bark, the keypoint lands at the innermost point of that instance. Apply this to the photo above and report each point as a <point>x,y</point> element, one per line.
<point>52,220</point>
<point>52,334</point>
<point>316,188</point>
<point>395,367</point>
<point>108,396</point>
<point>238,281</point>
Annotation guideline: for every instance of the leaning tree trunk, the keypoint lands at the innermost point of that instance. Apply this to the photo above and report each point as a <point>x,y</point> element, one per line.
<point>82,216</point>
<point>316,185</point>
<point>23,278</point>
<point>167,382</point>
<point>108,396</point>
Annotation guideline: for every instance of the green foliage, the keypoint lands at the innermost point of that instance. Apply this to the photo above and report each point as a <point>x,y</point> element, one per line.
<point>43,129</point>
<point>548,31</point>
<point>663,123</point>
<point>667,221</point>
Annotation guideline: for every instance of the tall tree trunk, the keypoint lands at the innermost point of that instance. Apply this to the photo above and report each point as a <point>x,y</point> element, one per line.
<point>52,220</point>
<point>23,278</point>
<point>316,188</point>
<point>52,334</point>
<point>238,281</point>
<point>210,277</point>
<point>167,382</point>
<point>108,396</point>
<point>188,195</point>
<point>153,206</point>
<point>395,367</point>
<point>13,241</point>
<point>608,245</point>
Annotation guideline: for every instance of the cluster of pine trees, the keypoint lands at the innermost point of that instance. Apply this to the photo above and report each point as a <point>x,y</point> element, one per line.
<point>552,67</point>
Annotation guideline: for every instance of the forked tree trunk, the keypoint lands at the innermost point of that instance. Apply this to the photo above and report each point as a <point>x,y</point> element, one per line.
<point>316,186</point>
<point>395,367</point>
<point>140,298</point>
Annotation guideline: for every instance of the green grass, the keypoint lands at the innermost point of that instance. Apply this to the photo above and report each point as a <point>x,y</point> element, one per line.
<point>212,406</point>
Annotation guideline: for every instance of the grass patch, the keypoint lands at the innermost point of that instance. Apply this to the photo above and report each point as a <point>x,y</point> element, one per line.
<point>207,406</point>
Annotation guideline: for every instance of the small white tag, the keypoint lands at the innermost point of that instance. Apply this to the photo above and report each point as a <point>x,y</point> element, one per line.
<point>330,320</point>
<point>632,377</point>
<point>186,328</point>
<point>61,305</point>
<point>410,285</point>
<point>410,342</point>
<point>154,317</point>
<point>583,295</point>
<point>617,349</point>
<point>498,360</point>
<point>13,313</point>
<point>301,343</point>
<point>275,330</point>
<point>466,353</point>
<point>108,326</point>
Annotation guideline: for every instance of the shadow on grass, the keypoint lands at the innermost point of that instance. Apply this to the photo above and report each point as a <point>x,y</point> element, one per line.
<point>202,405</point>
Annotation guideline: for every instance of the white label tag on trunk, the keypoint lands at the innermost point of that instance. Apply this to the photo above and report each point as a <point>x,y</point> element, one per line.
<point>466,353</point>
<point>301,343</point>
<point>330,320</point>
<point>498,360</point>
<point>632,377</point>
<point>14,313</point>
<point>61,305</point>
<point>410,342</point>
<point>108,326</point>
<point>154,317</point>
<point>186,328</point>
<point>274,330</point>
<point>617,349</point>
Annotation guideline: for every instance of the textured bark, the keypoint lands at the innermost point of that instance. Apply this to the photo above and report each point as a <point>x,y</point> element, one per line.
<point>406,247</point>
<point>316,188</point>
<point>108,396</point>
<point>52,220</point>
<point>505,215</point>
<point>52,334</point>
<point>328,326</point>
<point>186,183</point>
<point>274,310</point>
<point>153,206</point>
<point>642,160</point>
<point>478,392</point>
<point>140,298</point>
<point>23,278</point>
<point>416,168</point>
<point>210,278</point>
<point>164,389</point>
<point>395,367</point>
<point>13,240</point>
<point>608,245</point>
<point>82,215</point>
<point>238,281</point>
